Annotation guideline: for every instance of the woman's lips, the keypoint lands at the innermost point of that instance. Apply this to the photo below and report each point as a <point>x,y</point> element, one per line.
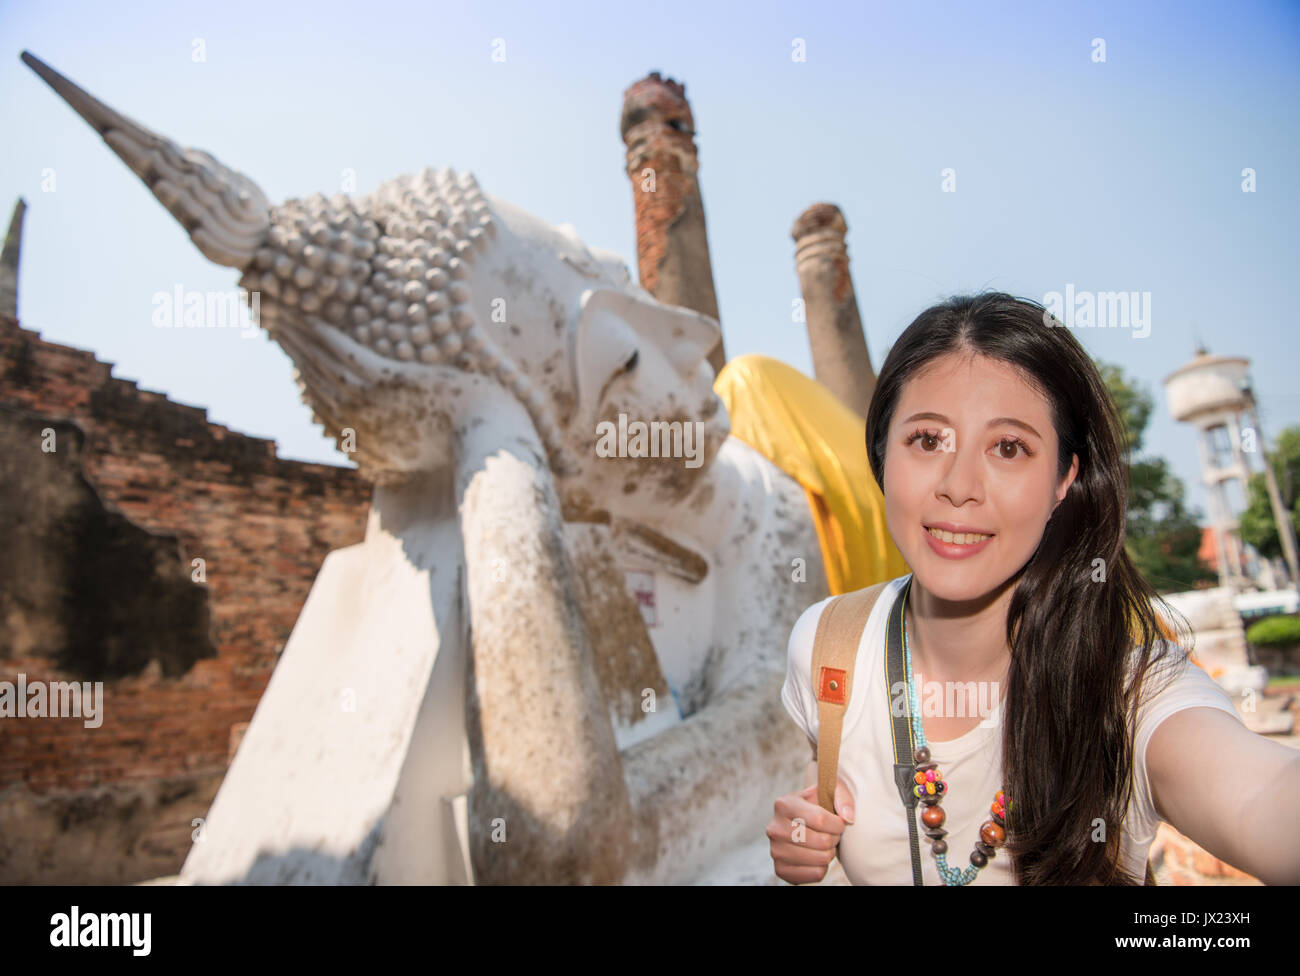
<point>953,550</point>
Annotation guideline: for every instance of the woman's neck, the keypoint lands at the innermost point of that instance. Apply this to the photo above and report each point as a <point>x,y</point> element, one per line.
<point>959,640</point>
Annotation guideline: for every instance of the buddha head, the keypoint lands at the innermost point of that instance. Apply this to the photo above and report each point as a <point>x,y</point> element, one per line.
<point>391,304</point>
<point>408,310</point>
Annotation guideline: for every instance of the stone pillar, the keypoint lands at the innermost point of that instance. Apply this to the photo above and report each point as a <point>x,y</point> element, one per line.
<point>9,262</point>
<point>672,247</point>
<point>839,346</point>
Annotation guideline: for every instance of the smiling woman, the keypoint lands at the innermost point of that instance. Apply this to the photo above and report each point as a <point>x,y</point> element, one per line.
<point>999,452</point>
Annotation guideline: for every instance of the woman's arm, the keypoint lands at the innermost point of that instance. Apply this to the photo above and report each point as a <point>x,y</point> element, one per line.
<point>1235,793</point>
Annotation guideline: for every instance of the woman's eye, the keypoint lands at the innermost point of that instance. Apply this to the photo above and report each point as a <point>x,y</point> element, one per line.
<point>930,441</point>
<point>1015,444</point>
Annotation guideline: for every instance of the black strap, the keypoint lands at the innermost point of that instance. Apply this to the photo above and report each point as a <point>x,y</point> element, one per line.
<point>900,726</point>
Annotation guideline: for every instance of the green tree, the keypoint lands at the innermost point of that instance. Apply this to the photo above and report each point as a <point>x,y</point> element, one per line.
<point>1133,402</point>
<point>1162,536</point>
<point>1258,527</point>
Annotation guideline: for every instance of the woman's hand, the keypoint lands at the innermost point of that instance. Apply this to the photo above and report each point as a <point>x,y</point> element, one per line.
<point>804,837</point>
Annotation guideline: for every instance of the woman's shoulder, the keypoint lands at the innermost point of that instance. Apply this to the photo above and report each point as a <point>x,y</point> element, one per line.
<point>1174,680</point>
<point>805,628</point>
<point>804,633</point>
<point>797,692</point>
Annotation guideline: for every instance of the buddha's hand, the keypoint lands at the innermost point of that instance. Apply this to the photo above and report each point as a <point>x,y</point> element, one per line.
<point>804,837</point>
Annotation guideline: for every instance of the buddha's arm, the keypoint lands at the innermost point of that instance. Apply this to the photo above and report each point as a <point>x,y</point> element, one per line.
<point>1235,793</point>
<point>720,767</point>
<point>548,802</point>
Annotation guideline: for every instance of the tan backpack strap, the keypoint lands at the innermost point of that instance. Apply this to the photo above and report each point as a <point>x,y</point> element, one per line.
<point>835,650</point>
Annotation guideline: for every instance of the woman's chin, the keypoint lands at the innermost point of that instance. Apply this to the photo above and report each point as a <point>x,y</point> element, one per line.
<point>955,581</point>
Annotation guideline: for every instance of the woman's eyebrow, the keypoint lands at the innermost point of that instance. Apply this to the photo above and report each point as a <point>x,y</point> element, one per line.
<point>995,422</point>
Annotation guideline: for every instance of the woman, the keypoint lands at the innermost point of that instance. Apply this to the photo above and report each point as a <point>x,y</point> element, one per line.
<point>991,422</point>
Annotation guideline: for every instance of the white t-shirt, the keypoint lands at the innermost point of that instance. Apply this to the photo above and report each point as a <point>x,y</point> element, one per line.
<point>874,848</point>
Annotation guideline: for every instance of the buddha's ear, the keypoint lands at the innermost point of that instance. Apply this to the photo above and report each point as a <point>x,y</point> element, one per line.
<point>613,324</point>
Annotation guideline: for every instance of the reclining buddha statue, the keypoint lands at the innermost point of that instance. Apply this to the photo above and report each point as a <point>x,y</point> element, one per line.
<point>473,694</point>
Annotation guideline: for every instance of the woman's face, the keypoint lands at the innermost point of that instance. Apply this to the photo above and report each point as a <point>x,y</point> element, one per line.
<point>972,447</point>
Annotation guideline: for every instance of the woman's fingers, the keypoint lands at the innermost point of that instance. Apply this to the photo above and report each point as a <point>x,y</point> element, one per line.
<point>804,837</point>
<point>803,809</point>
<point>843,800</point>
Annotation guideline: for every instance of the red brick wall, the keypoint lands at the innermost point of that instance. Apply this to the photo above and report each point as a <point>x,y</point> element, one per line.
<point>263,525</point>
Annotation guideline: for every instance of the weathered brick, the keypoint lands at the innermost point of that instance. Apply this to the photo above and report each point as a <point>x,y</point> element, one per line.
<point>262,524</point>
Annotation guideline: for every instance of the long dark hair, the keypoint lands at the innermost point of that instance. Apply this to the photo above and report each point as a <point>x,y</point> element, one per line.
<point>1082,624</point>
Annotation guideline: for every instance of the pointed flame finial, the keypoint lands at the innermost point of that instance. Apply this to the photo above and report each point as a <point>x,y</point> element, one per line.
<point>224,212</point>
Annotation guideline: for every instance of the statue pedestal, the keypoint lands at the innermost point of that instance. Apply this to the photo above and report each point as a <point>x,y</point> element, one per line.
<point>344,775</point>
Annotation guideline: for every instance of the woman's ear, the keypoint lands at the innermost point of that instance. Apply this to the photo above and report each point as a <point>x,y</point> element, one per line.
<point>1067,481</point>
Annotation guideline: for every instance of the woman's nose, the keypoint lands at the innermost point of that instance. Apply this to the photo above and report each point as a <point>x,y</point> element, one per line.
<point>961,478</point>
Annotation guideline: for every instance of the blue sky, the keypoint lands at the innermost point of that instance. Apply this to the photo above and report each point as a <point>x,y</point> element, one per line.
<point>1115,176</point>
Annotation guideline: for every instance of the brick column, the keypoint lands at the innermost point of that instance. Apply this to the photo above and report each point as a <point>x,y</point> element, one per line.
<point>839,346</point>
<point>672,246</point>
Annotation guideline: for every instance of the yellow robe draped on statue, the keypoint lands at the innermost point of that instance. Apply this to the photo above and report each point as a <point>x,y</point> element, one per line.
<point>807,432</point>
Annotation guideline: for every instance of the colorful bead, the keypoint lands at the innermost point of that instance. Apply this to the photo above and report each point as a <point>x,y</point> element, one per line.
<point>929,775</point>
<point>920,777</point>
<point>992,834</point>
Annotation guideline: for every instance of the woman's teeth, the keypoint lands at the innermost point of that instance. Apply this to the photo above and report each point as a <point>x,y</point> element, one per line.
<point>958,538</point>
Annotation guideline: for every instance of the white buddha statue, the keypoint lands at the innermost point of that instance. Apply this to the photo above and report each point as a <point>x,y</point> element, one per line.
<point>470,694</point>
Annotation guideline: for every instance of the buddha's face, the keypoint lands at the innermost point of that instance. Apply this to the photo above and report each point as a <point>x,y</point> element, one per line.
<point>611,359</point>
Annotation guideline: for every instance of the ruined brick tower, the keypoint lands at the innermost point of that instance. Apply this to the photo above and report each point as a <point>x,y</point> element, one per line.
<point>839,346</point>
<point>672,246</point>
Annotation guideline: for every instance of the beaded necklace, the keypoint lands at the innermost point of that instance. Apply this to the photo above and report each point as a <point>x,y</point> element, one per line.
<point>930,789</point>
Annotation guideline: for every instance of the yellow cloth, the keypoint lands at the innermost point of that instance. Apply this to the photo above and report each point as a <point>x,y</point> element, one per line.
<point>807,432</point>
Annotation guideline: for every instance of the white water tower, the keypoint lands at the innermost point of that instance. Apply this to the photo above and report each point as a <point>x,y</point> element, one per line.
<point>1214,393</point>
